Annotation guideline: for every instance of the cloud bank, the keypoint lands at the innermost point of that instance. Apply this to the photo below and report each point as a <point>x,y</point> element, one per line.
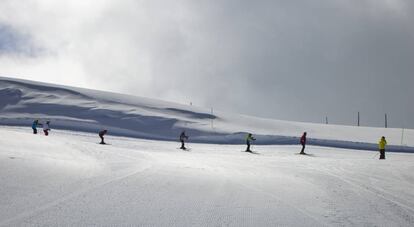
<point>293,60</point>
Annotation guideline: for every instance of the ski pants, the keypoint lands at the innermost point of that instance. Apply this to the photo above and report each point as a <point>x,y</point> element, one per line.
<point>34,130</point>
<point>102,138</point>
<point>248,146</point>
<point>182,144</point>
<point>46,132</point>
<point>382,154</point>
<point>303,149</point>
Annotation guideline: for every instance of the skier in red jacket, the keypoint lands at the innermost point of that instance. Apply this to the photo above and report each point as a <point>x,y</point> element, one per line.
<point>303,142</point>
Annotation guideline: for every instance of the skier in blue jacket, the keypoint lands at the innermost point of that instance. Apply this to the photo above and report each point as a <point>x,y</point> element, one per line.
<point>34,126</point>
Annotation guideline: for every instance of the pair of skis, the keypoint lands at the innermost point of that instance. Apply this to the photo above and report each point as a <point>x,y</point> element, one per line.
<point>185,149</point>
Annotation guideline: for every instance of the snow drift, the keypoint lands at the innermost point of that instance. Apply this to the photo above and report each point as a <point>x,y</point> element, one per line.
<point>70,108</point>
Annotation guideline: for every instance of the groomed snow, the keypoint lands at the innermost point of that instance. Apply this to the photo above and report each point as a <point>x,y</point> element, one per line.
<point>67,179</point>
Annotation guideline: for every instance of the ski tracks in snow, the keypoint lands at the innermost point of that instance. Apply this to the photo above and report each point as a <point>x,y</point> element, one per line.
<point>97,184</point>
<point>150,183</point>
<point>376,192</point>
<point>316,220</point>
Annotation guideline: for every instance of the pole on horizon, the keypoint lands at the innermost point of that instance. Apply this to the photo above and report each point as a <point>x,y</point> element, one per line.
<point>386,121</point>
<point>402,136</point>
<point>212,118</point>
<point>326,120</point>
<point>358,118</point>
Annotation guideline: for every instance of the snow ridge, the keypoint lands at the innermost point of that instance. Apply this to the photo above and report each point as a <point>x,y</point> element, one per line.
<point>88,110</point>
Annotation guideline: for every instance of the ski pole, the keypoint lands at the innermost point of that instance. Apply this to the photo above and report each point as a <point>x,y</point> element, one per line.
<point>375,155</point>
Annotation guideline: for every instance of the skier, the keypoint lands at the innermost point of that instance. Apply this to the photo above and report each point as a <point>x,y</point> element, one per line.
<point>303,142</point>
<point>46,128</point>
<point>34,126</point>
<point>249,138</point>
<point>183,137</point>
<point>381,146</point>
<point>101,135</point>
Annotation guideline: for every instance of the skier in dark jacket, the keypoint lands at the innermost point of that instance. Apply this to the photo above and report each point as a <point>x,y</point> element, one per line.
<point>249,138</point>
<point>303,142</point>
<point>101,135</point>
<point>183,137</point>
<point>34,126</point>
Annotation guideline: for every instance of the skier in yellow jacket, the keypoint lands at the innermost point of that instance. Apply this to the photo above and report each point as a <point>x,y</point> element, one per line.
<point>381,145</point>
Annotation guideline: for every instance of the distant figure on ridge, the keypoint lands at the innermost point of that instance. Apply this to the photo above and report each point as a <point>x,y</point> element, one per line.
<point>46,128</point>
<point>249,138</point>
<point>183,137</point>
<point>35,125</point>
<point>303,142</point>
<point>101,135</point>
<point>381,145</point>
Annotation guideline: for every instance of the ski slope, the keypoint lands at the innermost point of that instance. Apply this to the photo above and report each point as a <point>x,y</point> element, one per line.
<point>78,109</point>
<point>67,179</point>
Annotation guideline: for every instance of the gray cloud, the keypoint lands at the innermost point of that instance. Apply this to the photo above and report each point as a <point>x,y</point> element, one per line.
<point>294,60</point>
<point>13,42</point>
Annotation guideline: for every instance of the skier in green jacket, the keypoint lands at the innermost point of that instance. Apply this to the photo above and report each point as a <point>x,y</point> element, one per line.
<point>249,138</point>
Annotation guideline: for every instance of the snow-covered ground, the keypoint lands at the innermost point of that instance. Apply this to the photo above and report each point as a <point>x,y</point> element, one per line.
<point>78,109</point>
<point>67,179</point>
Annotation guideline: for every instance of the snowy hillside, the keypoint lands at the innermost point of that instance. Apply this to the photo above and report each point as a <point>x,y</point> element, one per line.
<point>86,110</point>
<point>67,179</point>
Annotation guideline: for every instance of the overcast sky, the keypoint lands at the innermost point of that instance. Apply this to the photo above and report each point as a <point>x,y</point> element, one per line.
<point>295,60</point>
